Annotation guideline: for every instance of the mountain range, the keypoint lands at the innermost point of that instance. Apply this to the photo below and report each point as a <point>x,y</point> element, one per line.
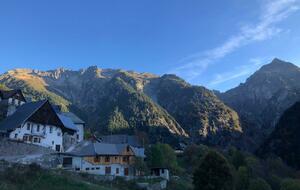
<point>163,108</point>
<point>167,108</point>
<point>263,98</point>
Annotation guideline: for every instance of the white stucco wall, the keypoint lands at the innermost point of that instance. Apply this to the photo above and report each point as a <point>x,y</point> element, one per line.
<point>79,162</point>
<point>48,138</point>
<point>80,132</point>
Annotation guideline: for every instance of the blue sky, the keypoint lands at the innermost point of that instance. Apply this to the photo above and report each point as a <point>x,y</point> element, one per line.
<point>213,43</point>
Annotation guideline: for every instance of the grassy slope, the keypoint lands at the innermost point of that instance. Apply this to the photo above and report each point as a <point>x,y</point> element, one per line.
<point>33,87</point>
<point>31,177</point>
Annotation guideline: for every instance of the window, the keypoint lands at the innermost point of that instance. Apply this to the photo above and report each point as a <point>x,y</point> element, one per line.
<point>38,128</point>
<point>52,142</point>
<point>116,158</point>
<point>77,169</point>
<point>117,171</point>
<point>16,136</point>
<point>128,149</point>
<point>107,170</point>
<point>25,138</point>
<point>107,158</point>
<point>162,171</point>
<point>77,136</point>
<point>35,139</point>
<point>87,169</point>
<point>28,126</point>
<point>97,168</point>
<point>125,159</point>
<point>51,129</point>
<point>97,159</point>
<point>58,134</point>
<point>93,168</point>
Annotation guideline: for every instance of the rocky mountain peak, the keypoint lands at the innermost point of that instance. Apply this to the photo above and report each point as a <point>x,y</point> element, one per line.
<point>279,66</point>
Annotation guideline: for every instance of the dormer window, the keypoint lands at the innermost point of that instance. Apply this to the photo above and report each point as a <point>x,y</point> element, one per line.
<point>38,128</point>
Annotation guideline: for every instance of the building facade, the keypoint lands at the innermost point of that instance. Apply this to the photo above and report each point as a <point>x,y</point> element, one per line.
<point>36,123</point>
<point>103,159</point>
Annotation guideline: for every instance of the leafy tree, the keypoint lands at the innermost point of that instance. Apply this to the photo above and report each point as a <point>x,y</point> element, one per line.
<point>162,155</point>
<point>237,158</point>
<point>259,184</point>
<point>140,166</point>
<point>290,184</point>
<point>243,178</point>
<point>213,173</point>
<point>192,156</point>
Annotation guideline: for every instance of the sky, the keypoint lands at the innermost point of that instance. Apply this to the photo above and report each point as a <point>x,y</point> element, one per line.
<point>217,44</point>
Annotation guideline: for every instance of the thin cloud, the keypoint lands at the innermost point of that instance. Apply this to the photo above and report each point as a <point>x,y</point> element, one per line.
<point>238,72</point>
<point>272,13</point>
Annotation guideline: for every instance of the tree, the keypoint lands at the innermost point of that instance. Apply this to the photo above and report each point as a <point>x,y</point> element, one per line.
<point>140,166</point>
<point>290,184</point>
<point>192,156</point>
<point>162,155</point>
<point>259,184</point>
<point>213,173</point>
<point>243,178</point>
<point>237,158</point>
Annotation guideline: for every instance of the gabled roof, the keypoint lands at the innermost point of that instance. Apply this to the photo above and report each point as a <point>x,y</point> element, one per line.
<point>24,112</point>
<point>90,148</point>
<point>121,139</point>
<point>6,94</point>
<point>73,117</point>
<point>21,115</point>
<point>68,123</point>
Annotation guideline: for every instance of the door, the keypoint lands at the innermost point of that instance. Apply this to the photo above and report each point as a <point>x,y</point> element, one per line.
<point>107,170</point>
<point>67,161</point>
<point>126,171</point>
<point>57,148</point>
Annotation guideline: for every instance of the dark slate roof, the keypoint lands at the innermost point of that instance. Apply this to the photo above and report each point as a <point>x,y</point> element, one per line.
<point>21,115</point>
<point>90,148</point>
<point>68,123</point>
<point>74,117</point>
<point>5,94</point>
<point>121,139</point>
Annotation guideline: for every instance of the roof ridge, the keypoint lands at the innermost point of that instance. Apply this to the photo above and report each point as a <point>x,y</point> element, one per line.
<point>44,101</point>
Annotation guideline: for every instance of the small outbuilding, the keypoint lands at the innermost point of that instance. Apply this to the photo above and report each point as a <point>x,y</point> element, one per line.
<point>161,172</point>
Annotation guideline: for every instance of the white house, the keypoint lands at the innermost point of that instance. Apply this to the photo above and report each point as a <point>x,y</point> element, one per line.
<point>102,159</point>
<point>10,100</point>
<point>36,123</point>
